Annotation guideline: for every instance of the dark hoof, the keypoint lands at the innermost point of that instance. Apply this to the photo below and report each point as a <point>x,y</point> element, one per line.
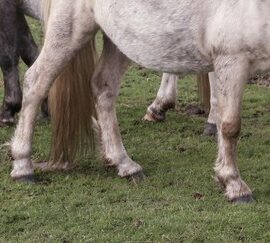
<point>30,179</point>
<point>7,122</point>
<point>210,129</point>
<point>243,199</point>
<point>137,177</point>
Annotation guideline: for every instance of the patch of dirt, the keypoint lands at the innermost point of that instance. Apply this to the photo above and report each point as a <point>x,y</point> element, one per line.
<point>198,196</point>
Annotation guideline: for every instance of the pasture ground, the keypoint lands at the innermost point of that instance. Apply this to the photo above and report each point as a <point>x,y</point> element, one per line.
<point>178,201</point>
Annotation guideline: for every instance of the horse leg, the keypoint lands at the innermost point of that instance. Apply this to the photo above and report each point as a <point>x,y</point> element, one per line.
<point>31,8</point>
<point>12,95</point>
<point>106,86</point>
<point>29,51</point>
<point>165,100</point>
<point>210,128</point>
<point>56,53</point>
<point>8,62</point>
<point>232,73</point>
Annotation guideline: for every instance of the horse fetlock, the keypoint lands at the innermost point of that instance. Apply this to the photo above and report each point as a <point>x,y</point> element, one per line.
<point>167,105</point>
<point>22,170</point>
<point>20,151</point>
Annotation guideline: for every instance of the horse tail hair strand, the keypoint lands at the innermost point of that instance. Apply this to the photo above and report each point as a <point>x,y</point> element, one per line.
<point>71,104</point>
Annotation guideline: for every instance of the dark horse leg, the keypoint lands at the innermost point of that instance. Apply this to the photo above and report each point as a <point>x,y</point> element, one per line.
<point>28,51</point>
<point>15,40</point>
<point>9,57</point>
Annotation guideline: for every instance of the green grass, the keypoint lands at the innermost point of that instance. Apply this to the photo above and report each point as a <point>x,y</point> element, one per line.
<point>91,204</point>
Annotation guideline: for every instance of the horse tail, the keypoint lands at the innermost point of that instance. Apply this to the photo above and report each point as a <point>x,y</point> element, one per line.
<point>71,104</point>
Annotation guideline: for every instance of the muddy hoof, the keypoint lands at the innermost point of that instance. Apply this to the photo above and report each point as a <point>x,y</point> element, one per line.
<point>243,199</point>
<point>153,115</point>
<point>137,177</point>
<point>30,179</point>
<point>210,129</point>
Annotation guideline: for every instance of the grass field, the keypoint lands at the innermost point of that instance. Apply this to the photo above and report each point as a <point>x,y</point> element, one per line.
<point>178,201</point>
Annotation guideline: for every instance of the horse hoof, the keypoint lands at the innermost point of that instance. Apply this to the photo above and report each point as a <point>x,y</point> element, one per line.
<point>137,177</point>
<point>243,199</point>
<point>4,122</point>
<point>210,129</point>
<point>30,179</point>
<point>154,116</point>
<point>149,118</point>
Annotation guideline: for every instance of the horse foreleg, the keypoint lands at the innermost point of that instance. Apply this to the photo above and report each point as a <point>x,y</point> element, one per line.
<point>106,84</point>
<point>232,73</point>
<point>165,100</point>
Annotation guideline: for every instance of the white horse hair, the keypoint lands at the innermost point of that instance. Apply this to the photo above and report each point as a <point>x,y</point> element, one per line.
<point>229,37</point>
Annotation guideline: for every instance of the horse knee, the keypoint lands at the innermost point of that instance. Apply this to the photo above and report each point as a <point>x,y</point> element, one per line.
<point>231,129</point>
<point>6,64</point>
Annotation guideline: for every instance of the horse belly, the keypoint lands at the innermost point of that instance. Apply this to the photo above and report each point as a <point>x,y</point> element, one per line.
<point>159,38</point>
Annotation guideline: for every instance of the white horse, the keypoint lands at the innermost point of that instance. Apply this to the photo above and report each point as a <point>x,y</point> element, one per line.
<point>166,99</point>
<point>172,36</point>
<point>166,96</point>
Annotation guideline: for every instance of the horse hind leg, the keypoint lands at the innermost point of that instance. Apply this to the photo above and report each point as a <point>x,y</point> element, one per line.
<point>28,51</point>
<point>106,84</point>
<point>165,100</point>
<point>8,63</point>
<point>210,128</point>
<point>57,51</point>
<point>232,73</point>
<point>12,95</point>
